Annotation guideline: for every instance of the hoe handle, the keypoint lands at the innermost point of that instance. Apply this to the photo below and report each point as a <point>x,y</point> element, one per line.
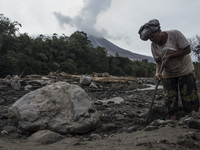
<point>152,102</point>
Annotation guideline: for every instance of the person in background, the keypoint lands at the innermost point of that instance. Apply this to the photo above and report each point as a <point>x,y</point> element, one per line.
<point>173,49</point>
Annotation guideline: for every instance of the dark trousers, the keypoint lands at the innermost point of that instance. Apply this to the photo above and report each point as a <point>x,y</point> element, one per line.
<point>186,86</point>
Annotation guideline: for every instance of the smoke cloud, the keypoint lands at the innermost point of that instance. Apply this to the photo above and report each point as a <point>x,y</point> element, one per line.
<point>87,18</point>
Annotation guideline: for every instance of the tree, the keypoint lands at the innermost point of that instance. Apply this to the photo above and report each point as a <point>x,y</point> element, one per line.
<point>81,37</point>
<point>117,55</point>
<point>7,27</point>
<point>74,54</point>
<point>195,47</point>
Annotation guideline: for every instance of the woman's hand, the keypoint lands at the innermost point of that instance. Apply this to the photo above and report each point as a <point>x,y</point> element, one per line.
<point>179,53</point>
<point>166,58</point>
<point>158,76</point>
<point>159,69</point>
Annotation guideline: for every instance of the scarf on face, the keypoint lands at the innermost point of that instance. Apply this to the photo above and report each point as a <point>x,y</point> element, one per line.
<point>148,28</point>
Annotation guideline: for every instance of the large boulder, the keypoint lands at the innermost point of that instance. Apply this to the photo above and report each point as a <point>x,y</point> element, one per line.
<point>61,107</point>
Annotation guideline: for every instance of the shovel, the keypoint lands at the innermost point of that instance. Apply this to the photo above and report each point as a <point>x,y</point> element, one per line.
<point>150,108</point>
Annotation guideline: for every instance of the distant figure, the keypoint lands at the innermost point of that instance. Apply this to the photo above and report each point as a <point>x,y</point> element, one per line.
<point>173,49</point>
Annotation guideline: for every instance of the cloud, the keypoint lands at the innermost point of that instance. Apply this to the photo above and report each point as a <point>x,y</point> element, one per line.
<point>116,20</point>
<point>87,18</point>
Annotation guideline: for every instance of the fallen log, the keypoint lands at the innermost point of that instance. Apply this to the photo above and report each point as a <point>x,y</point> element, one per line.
<point>110,79</point>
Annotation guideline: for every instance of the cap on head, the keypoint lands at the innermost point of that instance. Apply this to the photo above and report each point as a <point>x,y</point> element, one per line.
<point>148,28</point>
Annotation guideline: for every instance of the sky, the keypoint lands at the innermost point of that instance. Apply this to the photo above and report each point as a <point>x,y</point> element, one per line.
<point>116,20</point>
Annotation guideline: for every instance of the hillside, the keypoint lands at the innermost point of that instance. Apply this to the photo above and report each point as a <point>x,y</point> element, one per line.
<point>113,49</point>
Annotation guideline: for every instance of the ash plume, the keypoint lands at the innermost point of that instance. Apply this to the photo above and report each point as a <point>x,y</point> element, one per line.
<point>87,18</point>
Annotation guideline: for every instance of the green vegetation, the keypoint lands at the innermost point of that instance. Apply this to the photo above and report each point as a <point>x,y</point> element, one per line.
<point>74,55</point>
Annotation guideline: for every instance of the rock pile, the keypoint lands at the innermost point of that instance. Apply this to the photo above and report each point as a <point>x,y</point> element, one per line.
<point>62,107</point>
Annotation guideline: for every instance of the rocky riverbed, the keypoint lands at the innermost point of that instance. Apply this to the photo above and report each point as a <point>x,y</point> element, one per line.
<point>122,108</point>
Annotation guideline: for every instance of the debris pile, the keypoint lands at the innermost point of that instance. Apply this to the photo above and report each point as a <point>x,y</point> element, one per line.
<point>117,101</point>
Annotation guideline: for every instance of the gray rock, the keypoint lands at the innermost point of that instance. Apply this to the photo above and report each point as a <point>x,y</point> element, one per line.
<point>133,128</point>
<point>158,112</point>
<point>10,129</point>
<point>163,122</point>
<point>119,117</point>
<point>194,124</point>
<point>184,121</point>
<point>131,113</point>
<point>85,80</point>
<point>15,84</point>
<point>92,85</point>
<point>12,92</point>
<point>45,137</point>
<point>95,137</point>
<point>108,127</point>
<point>115,100</point>
<point>62,107</point>
<point>195,115</point>
<point>150,128</point>
<point>197,136</point>
<point>142,115</point>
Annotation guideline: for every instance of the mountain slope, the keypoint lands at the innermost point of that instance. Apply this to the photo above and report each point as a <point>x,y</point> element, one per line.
<point>113,49</point>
